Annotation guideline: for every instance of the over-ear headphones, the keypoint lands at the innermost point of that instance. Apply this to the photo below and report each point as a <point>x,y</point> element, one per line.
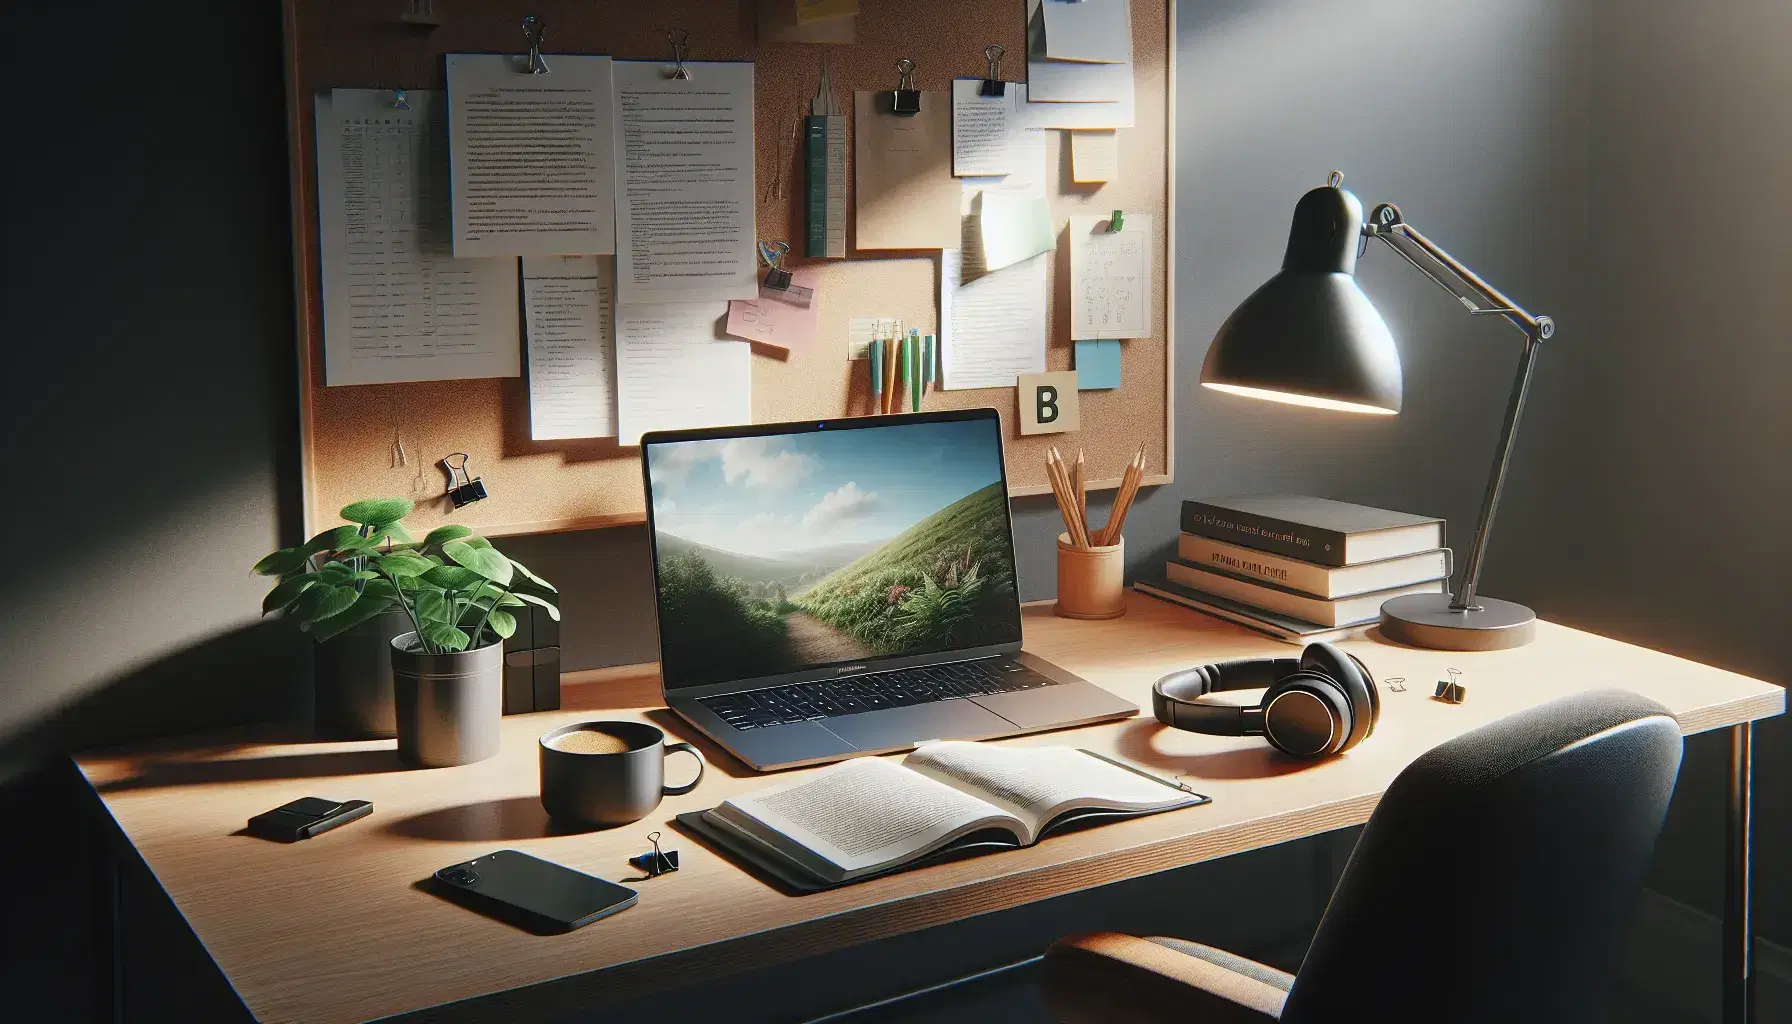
<point>1321,704</point>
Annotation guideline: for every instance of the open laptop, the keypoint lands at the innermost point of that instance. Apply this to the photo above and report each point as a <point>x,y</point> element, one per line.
<point>841,587</point>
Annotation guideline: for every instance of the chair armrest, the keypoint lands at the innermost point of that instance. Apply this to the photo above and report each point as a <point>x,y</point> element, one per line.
<point>1108,978</point>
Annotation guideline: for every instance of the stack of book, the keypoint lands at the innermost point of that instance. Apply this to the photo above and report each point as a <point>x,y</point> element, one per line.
<point>1299,568</point>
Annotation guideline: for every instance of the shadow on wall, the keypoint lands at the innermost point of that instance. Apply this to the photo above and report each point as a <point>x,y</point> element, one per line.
<point>255,673</point>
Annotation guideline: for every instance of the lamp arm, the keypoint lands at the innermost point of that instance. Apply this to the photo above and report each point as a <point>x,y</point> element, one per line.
<point>1481,299</point>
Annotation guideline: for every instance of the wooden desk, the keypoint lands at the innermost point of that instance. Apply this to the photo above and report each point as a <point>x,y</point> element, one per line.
<point>390,949</point>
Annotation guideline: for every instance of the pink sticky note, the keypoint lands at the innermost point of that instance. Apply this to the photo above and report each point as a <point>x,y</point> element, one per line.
<point>775,323</point>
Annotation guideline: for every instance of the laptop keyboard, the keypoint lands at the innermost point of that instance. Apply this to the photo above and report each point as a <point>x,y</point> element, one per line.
<point>830,698</point>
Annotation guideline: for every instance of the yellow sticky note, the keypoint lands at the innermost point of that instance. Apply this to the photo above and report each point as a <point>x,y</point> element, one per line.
<point>1094,156</point>
<point>823,10</point>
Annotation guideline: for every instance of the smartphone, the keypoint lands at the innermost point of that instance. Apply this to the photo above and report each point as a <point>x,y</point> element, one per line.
<point>533,894</point>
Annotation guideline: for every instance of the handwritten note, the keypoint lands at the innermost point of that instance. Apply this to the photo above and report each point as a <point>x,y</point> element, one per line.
<point>778,324</point>
<point>1110,278</point>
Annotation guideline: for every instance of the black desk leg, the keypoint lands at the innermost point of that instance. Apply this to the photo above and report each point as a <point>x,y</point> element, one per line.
<point>1739,935</point>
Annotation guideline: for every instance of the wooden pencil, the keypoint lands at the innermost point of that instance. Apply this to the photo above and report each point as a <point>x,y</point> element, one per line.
<point>1058,492</point>
<point>1129,490</point>
<point>1072,521</point>
<point>1080,489</point>
<point>890,377</point>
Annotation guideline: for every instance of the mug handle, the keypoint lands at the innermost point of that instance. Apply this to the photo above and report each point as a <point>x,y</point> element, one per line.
<point>687,787</point>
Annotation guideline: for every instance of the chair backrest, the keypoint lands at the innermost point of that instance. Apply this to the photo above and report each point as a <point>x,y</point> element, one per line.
<point>1496,879</point>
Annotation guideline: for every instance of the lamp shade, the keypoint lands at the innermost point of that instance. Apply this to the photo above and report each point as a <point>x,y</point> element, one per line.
<point>1309,336</point>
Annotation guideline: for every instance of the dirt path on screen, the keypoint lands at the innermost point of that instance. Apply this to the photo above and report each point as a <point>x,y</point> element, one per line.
<point>815,642</point>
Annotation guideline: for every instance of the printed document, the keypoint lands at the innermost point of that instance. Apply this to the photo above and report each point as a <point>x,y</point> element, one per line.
<point>1110,278</point>
<point>674,370</point>
<point>986,130</point>
<point>532,168</point>
<point>684,183</point>
<point>1094,31</point>
<point>572,348</point>
<point>993,327</point>
<point>397,305</point>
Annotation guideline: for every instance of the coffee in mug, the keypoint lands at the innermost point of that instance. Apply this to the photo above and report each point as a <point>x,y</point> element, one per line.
<point>608,773</point>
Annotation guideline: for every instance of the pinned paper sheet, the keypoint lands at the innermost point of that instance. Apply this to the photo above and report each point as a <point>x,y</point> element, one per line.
<point>907,197</point>
<point>1097,365</point>
<point>779,23</point>
<point>1069,94</point>
<point>861,331</point>
<point>1110,278</point>
<point>684,183</point>
<point>674,372</point>
<point>992,328</point>
<point>1094,156</point>
<point>572,348</point>
<point>1092,31</point>
<point>770,321</point>
<point>397,305</point>
<point>986,130</point>
<point>1013,228</point>
<point>823,10</point>
<point>531,155</point>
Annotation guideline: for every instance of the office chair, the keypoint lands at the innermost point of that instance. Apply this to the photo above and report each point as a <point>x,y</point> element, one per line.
<point>1494,883</point>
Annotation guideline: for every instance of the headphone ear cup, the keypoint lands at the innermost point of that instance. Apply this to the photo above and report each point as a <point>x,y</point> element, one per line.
<point>1374,696</point>
<point>1354,680</point>
<point>1307,714</point>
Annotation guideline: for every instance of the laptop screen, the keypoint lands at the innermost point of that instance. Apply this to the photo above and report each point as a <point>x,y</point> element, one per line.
<point>814,545</point>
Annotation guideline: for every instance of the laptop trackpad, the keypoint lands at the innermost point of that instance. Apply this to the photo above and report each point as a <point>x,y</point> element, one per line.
<point>895,728</point>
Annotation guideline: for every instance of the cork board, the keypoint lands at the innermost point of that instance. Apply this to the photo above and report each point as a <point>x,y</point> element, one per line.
<point>544,486</point>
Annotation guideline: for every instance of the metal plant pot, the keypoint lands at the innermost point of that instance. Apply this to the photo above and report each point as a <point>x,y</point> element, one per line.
<point>352,680</point>
<point>449,705</point>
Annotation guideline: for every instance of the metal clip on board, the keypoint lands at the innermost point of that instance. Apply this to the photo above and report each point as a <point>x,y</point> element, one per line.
<point>680,40</point>
<point>463,487</point>
<point>905,100</point>
<point>535,29</point>
<point>777,282</point>
<point>992,81</point>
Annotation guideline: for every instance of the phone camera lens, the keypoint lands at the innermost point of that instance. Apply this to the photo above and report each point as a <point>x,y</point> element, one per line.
<point>460,876</point>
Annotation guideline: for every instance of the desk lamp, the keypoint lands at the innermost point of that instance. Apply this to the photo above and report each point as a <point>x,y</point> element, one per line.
<point>1309,336</point>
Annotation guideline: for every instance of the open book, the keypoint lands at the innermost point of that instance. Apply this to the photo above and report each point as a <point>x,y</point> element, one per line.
<point>869,816</point>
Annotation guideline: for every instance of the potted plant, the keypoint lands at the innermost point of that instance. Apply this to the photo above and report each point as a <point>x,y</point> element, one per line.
<point>455,592</point>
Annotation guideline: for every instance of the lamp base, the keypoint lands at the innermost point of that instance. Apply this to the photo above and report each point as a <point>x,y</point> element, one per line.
<point>1427,620</point>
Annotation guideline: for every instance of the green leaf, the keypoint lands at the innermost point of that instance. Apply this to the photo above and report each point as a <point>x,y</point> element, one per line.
<point>283,562</point>
<point>479,542</point>
<point>378,513</point>
<point>287,592</point>
<point>531,577</point>
<point>487,562</point>
<point>335,573</point>
<point>381,589</point>
<point>445,637</point>
<point>452,577</point>
<point>330,539</point>
<point>305,609</point>
<point>335,602</point>
<point>363,609</point>
<point>501,623</point>
<point>553,610</point>
<point>397,533</point>
<point>403,564</point>
<point>432,606</point>
<point>443,534</point>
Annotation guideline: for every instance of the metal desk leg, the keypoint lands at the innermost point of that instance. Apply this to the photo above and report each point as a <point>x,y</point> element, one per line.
<point>1739,936</point>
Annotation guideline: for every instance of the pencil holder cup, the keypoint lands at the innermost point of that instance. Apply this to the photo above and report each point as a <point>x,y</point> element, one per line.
<point>1091,581</point>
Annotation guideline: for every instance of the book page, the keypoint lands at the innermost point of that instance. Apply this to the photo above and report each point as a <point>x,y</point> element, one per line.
<point>862,815</point>
<point>1036,784</point>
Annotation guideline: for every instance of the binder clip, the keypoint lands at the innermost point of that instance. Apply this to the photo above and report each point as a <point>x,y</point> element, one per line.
<point>534,31</point>
<point>905,100</point>
<point>1450,691</point>
<point>655,862</point>
<point>992,82</point>
<point>679,39</point>
<point>421,14</point>
<point>463,487</point>
<point>1396,684</point>
<point>776,284</point>
<point>1117,222</point>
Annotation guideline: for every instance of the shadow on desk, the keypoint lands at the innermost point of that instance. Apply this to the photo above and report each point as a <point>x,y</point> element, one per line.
<point>1254,762</point>
<point>492,821</point>
<point>154,774</point>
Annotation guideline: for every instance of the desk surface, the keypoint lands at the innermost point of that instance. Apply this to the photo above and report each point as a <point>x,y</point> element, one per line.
<point>388,948</point>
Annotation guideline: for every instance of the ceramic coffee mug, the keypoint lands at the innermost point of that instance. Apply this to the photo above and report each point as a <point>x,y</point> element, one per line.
<point>608,773</point>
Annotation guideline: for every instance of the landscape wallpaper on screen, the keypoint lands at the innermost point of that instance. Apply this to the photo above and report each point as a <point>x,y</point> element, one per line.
<point>778,553</point>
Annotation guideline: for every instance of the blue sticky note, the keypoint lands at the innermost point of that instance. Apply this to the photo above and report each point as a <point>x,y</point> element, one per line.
<point>1097,365</point>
